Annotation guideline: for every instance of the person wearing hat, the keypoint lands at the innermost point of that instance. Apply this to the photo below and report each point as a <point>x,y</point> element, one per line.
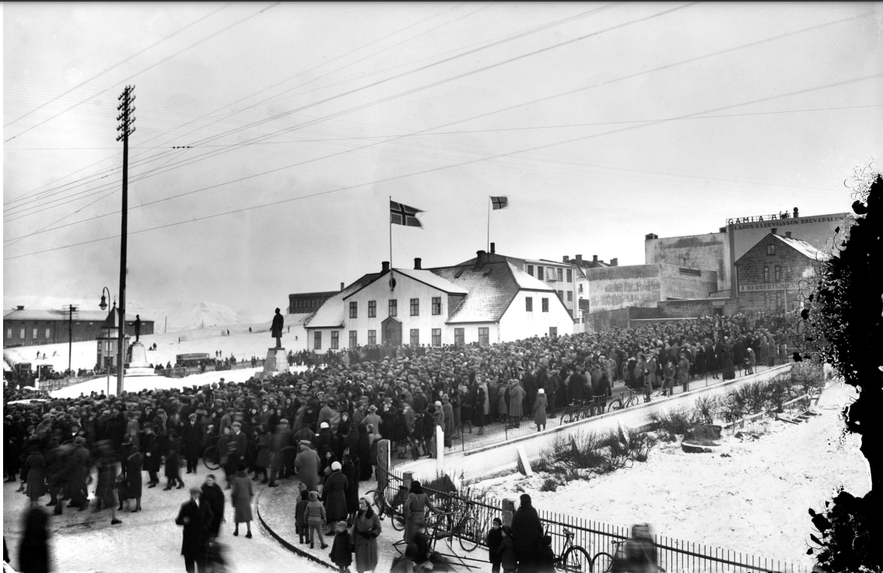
<point>527,529</point>
<point>306,465</point>
<point>315,518</point>
<point>342,548</point>
<point>236,446</point>
<point>196,517</point>
<point>190,441</point>
<point>281,444</point>
<point>539,410</point>
<point>334,493</point>
<point>240,497</point>
<point>492,540</point>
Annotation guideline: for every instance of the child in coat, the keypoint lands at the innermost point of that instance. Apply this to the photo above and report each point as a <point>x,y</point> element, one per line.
<point>342,548</point>
<point>173,471</point>
<point>546,558</point>
<point>314,514</point>
<point>507,551</point>
<point>493,539</point>
<point>300,522</point>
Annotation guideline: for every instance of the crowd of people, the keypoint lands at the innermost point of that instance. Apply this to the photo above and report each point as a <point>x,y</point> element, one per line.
<point>322,425</point>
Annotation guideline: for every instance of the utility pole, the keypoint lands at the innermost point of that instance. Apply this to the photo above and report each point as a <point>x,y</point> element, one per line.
<point>126,128</point>
<point>70,333</point>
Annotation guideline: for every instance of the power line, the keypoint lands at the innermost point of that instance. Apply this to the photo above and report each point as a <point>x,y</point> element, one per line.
<point>445,167</point>
<point>99,74</point>
<point>145,70</point>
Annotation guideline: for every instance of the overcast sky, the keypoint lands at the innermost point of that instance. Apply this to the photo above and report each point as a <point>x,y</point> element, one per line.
<point>601,122</point>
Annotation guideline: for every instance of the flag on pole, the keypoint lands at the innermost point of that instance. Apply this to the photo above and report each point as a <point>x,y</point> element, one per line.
<point>401,214</point>
<point>499,202</point>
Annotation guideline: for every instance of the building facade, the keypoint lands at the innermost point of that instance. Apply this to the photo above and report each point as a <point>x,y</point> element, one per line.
<point>484,300</point>
<point>308,302</point>
<point>33,327</point>
<point>772,273</point>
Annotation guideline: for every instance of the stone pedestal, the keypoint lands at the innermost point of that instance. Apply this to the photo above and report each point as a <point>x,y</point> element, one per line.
<point>276,361</point>
<point>137,363</point>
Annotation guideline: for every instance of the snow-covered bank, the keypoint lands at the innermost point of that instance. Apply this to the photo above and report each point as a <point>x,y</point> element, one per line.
<point>753,500</point>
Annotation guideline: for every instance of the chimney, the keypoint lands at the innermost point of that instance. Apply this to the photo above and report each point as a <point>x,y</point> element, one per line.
<point>650,236</point>
<point>788,234</point>
<point>773,231</point>
<point>614,262</point>
<point>341,286</point>
<point>417,266</point>
<point>594,259</point>
<point>385,268</point>
<point>481,256</point>
<point>722,230</point>
<point>579,257</point>
<point>566,259</point>
<point>20,307</point>
<point>493,248</point>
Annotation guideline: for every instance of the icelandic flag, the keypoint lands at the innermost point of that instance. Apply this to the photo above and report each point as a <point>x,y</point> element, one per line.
<point>401,214</point>
<point>499,202</point>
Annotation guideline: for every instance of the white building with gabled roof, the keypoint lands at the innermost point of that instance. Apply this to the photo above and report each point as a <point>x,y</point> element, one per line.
<point>485,300</point>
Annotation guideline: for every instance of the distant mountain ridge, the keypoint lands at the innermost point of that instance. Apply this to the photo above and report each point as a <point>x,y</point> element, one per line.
<point>176,317</point>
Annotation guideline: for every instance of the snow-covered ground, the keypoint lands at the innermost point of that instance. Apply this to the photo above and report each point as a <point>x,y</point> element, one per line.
<point>753,500</point>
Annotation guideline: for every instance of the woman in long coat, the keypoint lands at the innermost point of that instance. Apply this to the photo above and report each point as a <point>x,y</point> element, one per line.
<point>363,451</point>
<point>334,493</point>
<point>415,508</point>
<point>539,410</point>
<point>365,530</point>
<point>36,468</point>
<point>262,461</point>
<point>240,497</point>
<point>133,478</point>
<point>516,398</point>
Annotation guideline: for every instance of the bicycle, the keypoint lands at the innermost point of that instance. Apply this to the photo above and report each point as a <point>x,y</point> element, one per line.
<point>462,524</point>
<point>211,457</point>
<point>624,401</point>
<point>573,558</point>
<point>393,509</point>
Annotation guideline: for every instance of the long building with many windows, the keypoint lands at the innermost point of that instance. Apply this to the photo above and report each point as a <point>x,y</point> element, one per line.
<point>483,300</point>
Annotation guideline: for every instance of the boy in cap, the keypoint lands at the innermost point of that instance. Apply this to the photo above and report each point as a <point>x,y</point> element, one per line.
<point>342,548</point>
<point>314,515</point>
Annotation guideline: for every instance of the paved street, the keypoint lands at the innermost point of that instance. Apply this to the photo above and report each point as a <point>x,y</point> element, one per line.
<point>83,541</point>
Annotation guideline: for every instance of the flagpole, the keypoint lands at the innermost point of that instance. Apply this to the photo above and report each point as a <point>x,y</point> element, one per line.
<point>488,223</point>
<point>390,234</point>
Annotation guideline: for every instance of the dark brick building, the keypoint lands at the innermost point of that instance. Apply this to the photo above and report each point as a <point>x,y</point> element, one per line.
<point>32,327</point>
<point>307,302</point>
<point>769,274</point>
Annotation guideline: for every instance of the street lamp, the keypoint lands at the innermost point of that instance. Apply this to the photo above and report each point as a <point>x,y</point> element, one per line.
<point>103,304</point>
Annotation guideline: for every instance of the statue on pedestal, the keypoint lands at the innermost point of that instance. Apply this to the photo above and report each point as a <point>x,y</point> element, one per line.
<point>276,329</point>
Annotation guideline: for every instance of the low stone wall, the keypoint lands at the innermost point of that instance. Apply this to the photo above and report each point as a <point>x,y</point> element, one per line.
<point>489,460</point>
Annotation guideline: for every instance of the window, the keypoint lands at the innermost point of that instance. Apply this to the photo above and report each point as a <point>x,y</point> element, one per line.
<point>317,340</point>
<point>560,295</point>
<point>372,337</point>
<point>553,331</point>
<point>560,275</point>
<point>22,334</point>
<point>436,336</point>
<point>569,296</point>
<point>528,303</point>
<point>484,335</point>
<point>459,338</point>
<point>35,334</point>
<point>436,305</point>
<point>47,332</point>
<point>570,275</point>
<point>372,309</point>
<point>771,249</point>
<point>415,307</point>
<point>545,305</point>
<point>393,307</point>
<point>766,274</point>
<point>354,309</point>
<point>354,338</point>
<point>540,273</point>
<point>580,288</point>
<point>8,333</point>
<point>778,273</point>
<point>335,340</point>
<point>530,270</point>
<point>788,273</point>
<point>415,337</point>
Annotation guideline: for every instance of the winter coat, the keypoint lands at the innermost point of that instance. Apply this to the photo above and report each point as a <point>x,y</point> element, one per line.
<point>314,514</point>
<point>36,467</point>
<point>366,529</point>
<point>351,472</point>
<point>33,550</point>
<point>263,457</point>
<point>363,451</point>
<point>539,410</point>
<point>516,398</point>
<point>307,466</point>
<point>342,549</point>
<point>280,447</point>
<point>214,496</point>
<point>527,530</point>
<point>196,530</point>
<point>335,496</point>
<point>172,470</point>
<point>133,475</point>
<point>492,540</point>
<point>506,551</point>
<point>240,497</point>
